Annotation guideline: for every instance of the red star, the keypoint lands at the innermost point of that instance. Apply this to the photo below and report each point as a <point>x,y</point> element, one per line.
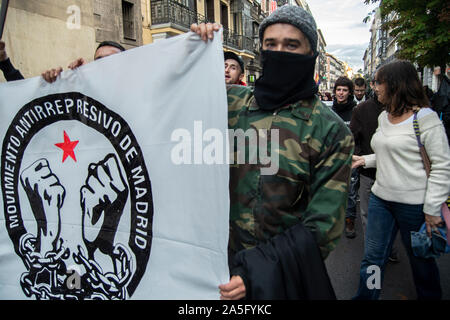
<point>67,146</point>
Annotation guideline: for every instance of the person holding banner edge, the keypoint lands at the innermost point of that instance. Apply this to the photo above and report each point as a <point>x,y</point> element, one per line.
<point>280,221</point>
<point>104,49</point>
<point>9,72</point>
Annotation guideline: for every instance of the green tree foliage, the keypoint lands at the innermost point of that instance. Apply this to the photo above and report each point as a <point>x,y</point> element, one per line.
<point>422,28</point>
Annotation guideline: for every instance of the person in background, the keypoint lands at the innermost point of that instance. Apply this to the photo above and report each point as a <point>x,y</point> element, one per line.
<point>343,105</point>
<point>360,90</point>
<point>321,96</point>
<point>327,99</point>
<point>104,49</point>
<point>440,101</point>
<point>428,92</point>
<point>234,68</point>
<point>403,197</point>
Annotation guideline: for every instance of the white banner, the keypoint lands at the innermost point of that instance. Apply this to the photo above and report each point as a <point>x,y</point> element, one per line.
<point>95,205</point>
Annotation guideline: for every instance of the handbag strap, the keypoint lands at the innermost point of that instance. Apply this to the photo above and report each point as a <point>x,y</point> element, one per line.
<point>417,129</point>
<point>423,151</point>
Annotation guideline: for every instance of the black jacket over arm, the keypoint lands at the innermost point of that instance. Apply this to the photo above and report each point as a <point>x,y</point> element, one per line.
<point>288,266</point>
<point>9,71</point>
<point>363,125</point>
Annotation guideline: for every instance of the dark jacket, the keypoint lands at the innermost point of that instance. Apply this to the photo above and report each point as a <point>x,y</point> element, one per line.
<point>363,125</point>
<point>344,110</point>
<point>9,71</point>
<point>441,104</point>
<point>288,266</point>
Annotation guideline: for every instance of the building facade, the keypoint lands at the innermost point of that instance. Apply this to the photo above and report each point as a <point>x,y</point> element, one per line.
<point>321,64</point>
<point>334,69</point>
<point>44,34</point>
<point>57,32</point>
<point>348,70</point>
<point>240,20</point>
<point>118,20</point>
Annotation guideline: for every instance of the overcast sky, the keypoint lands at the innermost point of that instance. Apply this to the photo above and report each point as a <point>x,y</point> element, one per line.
<point>345,33</point>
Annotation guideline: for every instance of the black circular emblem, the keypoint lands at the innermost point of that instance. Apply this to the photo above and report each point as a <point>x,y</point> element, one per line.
<point>113,196</point>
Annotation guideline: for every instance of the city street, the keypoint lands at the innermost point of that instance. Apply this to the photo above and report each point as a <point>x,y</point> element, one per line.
<point>138,133</point>
<point>344,262</point>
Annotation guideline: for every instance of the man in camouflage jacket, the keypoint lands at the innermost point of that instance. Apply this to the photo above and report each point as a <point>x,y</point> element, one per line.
<point>313,171</point>
<point>283,210</point>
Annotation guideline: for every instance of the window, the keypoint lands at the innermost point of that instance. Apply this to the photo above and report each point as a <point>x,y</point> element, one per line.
<point>210,10</point>
<point>128,20</point>
<point>224,15</point>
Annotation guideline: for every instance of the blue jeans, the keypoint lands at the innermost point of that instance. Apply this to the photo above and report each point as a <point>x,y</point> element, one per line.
<point>385,219</point>
<point>352,195</point>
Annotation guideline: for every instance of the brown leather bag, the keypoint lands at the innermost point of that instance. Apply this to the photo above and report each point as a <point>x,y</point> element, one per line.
<point>427,164</point>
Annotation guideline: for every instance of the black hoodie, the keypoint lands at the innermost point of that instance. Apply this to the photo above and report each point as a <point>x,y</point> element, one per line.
<point>344,110</point>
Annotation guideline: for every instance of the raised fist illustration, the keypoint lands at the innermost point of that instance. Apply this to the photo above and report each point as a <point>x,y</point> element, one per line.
<point>46,196</point>
<point>103,198</point>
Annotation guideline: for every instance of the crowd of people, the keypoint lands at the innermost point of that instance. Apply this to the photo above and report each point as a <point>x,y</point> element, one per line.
<point>333,151</point>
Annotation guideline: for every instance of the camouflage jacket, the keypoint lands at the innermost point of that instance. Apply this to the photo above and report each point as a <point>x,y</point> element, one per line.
<point>313,150</point>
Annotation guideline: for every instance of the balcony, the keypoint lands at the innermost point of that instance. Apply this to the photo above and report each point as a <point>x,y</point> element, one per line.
<point>390,59</point>
<point>256,13</point>
<point>172,12</point>
<point>231,39</point>
<point>238,41</point>
<point>237,7</point>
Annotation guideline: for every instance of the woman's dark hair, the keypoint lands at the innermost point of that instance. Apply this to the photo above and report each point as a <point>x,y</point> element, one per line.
<point>343,82</point>
<point>403,87</point>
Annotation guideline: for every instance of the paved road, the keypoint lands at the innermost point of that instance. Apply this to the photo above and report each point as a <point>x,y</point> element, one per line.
<point>344,262</point>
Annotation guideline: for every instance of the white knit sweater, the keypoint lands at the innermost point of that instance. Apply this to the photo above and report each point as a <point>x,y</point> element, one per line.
<point>401,174</point>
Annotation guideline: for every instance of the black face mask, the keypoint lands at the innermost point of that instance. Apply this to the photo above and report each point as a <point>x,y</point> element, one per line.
<point>287,78</point>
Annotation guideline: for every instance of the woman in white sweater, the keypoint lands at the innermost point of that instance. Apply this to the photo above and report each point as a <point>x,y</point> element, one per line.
<point>402,195</point>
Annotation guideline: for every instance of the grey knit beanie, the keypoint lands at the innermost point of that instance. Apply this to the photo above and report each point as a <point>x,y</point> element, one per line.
<point>295,16</point>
